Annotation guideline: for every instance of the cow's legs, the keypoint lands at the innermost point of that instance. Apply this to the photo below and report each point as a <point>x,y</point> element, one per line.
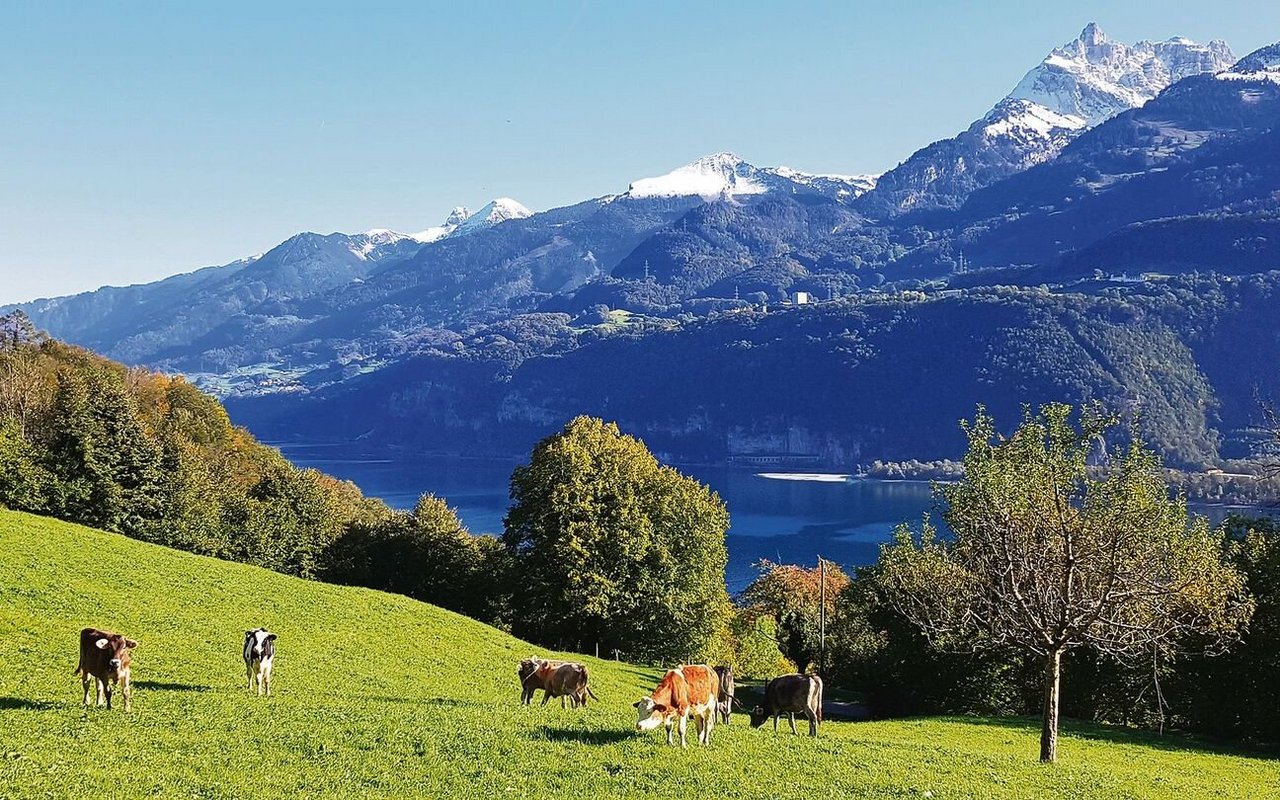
<point>775,723</point>
<point>107,688</point>
<point>102,693</point>
<point>670,725</point>
<point>708,726</point>
<point>248,674</point>
<point>84,684</point>
<point>813,721</point>
<point>791,718</point>
<point>266,676</point>
<point>684,724</point>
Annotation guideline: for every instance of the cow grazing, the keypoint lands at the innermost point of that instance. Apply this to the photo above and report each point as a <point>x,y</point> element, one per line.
<point>725,699</point>
<point>791,695</point>
<point>690,689</point>
<point>259,654</point>
<point>105,658</point>
<point>556,679</point>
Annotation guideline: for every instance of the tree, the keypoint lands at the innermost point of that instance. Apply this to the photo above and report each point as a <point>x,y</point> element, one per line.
<point>1051,554</point>
<point>611,548</point>
<point>17,330</point>
<point>792,596</point>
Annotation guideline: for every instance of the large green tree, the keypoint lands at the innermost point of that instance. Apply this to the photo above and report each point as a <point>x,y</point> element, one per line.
<point>612,548</point>
<point>1059,546</point>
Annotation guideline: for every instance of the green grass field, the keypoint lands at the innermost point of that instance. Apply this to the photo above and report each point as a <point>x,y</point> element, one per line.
<point>378,695</point>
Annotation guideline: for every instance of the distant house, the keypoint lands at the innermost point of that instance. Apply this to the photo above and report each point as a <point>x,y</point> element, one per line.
<point>801,298</point>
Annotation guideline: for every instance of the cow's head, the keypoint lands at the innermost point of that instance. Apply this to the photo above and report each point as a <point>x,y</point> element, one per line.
<point>118,647</point>
<point>527,667</point>
<point>255,642</point>
<point>650,714</point>
<point>758,716</point>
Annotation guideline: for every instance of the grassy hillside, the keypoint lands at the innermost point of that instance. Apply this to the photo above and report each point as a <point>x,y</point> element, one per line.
<point>377,695</point>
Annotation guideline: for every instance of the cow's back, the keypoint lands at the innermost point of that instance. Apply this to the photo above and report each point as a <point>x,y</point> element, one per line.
<point>789,693</point>
<point>703,684</point>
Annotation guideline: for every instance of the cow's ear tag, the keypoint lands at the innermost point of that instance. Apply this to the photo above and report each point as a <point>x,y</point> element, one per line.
<point>101,644</point>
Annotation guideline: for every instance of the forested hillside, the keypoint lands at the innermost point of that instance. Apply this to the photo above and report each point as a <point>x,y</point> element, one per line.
<point>881,376</point>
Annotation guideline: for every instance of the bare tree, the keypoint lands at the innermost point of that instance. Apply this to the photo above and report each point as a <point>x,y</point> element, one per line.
<point>1051,554</point>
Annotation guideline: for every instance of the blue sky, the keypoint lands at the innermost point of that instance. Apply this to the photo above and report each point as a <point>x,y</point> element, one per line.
<point>141,140</point>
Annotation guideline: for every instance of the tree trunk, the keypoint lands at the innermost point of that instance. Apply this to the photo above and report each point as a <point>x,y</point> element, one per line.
<point>1049,731</point>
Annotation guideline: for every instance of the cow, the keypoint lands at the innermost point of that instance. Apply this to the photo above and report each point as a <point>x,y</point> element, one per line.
<point>689,689</point>
<point>725,699</point>
<point>259,654</point>
<point>563,679</point>
<point>791,695</point>
<point>533,676</point>
<point>105,658</point>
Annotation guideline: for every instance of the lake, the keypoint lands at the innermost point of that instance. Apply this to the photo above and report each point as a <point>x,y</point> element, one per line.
<point>787,521</point>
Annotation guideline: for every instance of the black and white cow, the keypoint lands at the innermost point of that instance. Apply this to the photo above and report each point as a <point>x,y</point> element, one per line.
<point>259,653</point>
<point>791,695</point>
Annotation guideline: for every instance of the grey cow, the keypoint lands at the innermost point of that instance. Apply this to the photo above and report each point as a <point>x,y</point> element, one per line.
<point>791,695</point>
<point>725,700</point>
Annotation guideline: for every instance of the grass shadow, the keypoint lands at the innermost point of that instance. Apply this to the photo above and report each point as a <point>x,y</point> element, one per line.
<point>163,686</point>
<point>15,703</point>
<point>583,736</point>
<point>1172,741</point>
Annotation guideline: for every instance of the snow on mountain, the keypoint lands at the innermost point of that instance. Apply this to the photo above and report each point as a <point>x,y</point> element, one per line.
<point>451,223</point>
<point>842,187</point>
<point>1076,87</point>
<point>1260,65</point>
<point>498,210</point>
<point>1092,78</point>
<point>709,177</point>
<point>727,175</point>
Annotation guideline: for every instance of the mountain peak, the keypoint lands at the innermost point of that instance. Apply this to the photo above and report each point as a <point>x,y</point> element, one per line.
<point>499,209</point>
<point>1092,78</point>
<point>708,177</point>
<point>1079,85</point>
<point>1093,35</point>
<point>457,215</point>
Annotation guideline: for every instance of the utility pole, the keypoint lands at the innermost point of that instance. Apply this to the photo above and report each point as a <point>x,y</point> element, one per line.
<point>822,617</point>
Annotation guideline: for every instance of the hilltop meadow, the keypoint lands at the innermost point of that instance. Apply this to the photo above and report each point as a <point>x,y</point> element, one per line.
<point>377,695</point>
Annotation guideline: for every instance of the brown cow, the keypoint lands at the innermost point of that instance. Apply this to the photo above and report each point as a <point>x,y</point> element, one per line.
<point>557,679</point>
<point>531,678</point>
<point>104,657</point>
<point>693,688</point>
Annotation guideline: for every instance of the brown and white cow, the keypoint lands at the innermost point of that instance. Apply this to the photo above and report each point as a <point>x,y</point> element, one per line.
<point>104,658</point>
<point>689,689</point>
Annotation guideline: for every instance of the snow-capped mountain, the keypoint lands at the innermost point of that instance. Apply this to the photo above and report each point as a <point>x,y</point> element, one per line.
<point>1260,65</point>
<point>498,210</point>
<point>727,175</point>
<point>456,217</point>
<point>1077,86</point>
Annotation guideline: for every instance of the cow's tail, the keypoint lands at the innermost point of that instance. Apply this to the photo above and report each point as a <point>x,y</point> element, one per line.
<point>819,711</point>
<point>591,693</point>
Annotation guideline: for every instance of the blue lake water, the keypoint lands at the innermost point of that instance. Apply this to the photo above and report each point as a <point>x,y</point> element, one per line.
<point>788,521</point>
